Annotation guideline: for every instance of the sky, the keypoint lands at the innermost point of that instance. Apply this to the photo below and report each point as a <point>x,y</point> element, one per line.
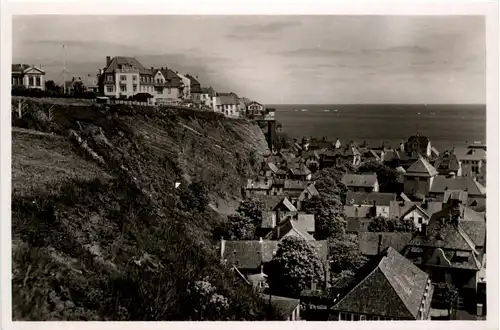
<point>278,59</point>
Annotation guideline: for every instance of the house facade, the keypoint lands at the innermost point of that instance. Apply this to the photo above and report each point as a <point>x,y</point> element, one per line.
<point>167,86</point>
<point>229,105</point>
<point>361,182</point>
<point>368,204</point>
<point>28,76</point>
<point>207,97</point>
<point>187,86</point>
<point>419,179</point>
<point>124,77</point>
<point>194,89</point>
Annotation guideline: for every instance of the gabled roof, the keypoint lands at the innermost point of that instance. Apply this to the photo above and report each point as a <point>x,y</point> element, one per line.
<point>369,198</point>
<point>270,203</point>
<point>421,168</point>
<point>395,288</point>
<point>24,68</point>
<point>397,208</point>
<point>448,162</point>
<point>417,208</point>
<point>195,85</point>
<point>470,153</point>
<point>284,306</point>
<point>359,180</point>
<point>311,189</point>
<point>286,227</point>
<point>245,254</point>
<point>253,102</point>
<point>442,183</point>
<point>228,99</point>
<point>368,241</point>
<point>118,61</point>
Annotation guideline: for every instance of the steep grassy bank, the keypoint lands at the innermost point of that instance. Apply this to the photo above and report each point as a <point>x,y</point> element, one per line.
<point>100,232</point>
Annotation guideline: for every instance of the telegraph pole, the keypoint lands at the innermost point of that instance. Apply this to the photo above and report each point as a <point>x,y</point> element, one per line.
<point>64,68</point>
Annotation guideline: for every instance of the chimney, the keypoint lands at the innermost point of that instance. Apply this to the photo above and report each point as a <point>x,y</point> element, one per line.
<point>260,240</point>
<point>379,244</point>
<point>108,60</point>
<point>222,247</point>
<point>278,231</point>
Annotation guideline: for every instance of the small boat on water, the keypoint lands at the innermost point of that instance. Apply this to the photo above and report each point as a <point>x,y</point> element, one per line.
<point>432,113</point>
<point>303,110</point>
<point>326,110</point>
<point>335,110</point>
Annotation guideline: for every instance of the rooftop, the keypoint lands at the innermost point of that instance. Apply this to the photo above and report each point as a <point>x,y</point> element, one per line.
<point>395,288</point>
<point>442,183</point>
<point>421,168</point>
<point>369,198</point>
<point>360,180</point>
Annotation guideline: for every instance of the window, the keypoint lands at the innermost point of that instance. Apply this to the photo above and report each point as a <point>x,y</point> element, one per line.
<point>38,81</point>
<point>135,88</point>
<point>362,317</point>
<point>110,89</point>
<point>109,78</point>
<point>123,89</point>
<point>356,317</point>
<point>134,78</point>
<point>30,81</point>
<point>123,78</point>
<point>420,220</point>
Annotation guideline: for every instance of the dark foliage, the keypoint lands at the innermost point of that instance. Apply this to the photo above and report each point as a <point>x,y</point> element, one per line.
<point>381,224</point>
<point>294,267</point>
<point>386,176</point>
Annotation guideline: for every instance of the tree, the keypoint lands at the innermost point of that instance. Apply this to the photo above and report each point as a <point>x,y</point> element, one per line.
<point>447,294</point>
<point>251,208</point>
<point>240,227</point>
<point>51,86</point>
<point>344,254</point>
<point>328,216</point>
<point>405,225</point>
<point>195,197</point>
<point>206,303</point>
<point>386,176</point>
<point>294,267</point>
<point>382,224</point>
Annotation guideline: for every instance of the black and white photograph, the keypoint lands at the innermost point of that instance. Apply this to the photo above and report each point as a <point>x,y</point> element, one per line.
<point>200,167</point>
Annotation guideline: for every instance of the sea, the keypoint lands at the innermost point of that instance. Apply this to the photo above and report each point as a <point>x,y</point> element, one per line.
<point>447,126</point>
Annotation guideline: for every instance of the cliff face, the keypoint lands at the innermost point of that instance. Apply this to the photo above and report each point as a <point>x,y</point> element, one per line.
<point>100,231</point>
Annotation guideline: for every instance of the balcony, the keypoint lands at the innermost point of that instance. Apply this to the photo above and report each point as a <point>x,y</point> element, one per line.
<point>123,82</point>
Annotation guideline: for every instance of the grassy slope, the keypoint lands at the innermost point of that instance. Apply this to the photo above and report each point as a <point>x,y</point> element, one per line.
<point>111,241</point>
